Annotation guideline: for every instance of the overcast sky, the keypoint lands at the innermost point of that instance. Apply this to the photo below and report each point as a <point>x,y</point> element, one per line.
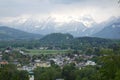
<point>99,10</point>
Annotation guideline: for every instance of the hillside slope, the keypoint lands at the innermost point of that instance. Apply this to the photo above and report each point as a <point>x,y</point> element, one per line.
<point>7,33</point>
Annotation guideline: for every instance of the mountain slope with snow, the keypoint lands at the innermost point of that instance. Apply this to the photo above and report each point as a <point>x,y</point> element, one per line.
<point>112,32</point>
<point>85,26</point>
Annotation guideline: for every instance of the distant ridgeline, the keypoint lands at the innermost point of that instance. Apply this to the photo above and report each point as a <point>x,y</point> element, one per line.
<point>61,41</point>
<point>7,33</point>
<point>109,32</point>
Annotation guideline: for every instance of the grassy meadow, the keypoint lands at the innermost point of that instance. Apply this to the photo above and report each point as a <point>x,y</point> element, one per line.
<point>45,52</point>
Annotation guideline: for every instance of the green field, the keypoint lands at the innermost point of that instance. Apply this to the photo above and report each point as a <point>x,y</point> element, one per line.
<point>37,52</point>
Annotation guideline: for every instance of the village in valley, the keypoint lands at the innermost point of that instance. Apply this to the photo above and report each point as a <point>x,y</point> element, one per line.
<point>56,59</point>
<point>24,61</point>
<point>79,59</point>
<point>33,61</point>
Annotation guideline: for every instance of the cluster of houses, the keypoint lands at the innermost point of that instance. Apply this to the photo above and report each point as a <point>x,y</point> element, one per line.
<point>58,59</point>
<point>63,60</point>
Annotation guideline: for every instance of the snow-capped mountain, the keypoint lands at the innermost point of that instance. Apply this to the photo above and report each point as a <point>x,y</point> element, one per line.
<point>85,26</point>
<point>99,27</point>
<point>49,25</point>
<point>112,31</point>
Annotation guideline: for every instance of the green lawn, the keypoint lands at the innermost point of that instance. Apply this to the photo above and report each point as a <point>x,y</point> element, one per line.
<point>37,52</point>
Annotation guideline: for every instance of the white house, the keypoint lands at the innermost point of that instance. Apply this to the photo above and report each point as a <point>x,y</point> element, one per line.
<point>90,63</point>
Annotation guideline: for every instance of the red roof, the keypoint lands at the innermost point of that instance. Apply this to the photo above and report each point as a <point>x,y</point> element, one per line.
<point>4,62</point>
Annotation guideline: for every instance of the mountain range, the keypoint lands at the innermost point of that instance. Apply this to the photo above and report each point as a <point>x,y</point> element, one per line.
<point>85,27</point>
<point>112,31</point>
<point>7,33</point>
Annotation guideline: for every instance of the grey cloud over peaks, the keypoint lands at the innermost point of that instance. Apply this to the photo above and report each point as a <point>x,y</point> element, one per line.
<point>66,1</point>
<point>12,8</point>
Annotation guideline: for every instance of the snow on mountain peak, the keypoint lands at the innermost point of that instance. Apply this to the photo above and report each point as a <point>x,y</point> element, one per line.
<point>75,26</point>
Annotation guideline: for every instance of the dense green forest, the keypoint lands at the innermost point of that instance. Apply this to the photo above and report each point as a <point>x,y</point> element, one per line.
<point>10,72</point>
<point>62,41</point>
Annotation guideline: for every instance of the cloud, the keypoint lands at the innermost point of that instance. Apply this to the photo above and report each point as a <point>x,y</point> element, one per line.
<point>99,10</point>
<point>65,1</point>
